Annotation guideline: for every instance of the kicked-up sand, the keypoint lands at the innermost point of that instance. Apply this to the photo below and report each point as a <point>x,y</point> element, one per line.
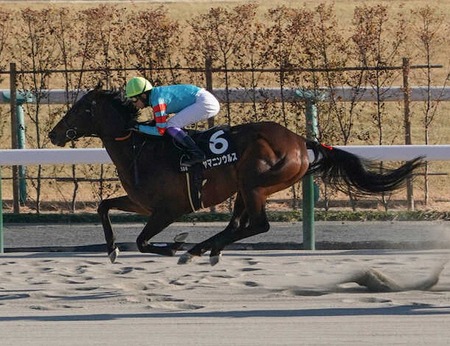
<point>359,297</point>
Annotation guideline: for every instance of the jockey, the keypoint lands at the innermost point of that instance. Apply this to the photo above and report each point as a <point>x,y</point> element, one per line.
<point>188,104</point>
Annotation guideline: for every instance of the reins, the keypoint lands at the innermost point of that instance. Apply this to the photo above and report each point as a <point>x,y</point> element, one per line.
<point>135,159</point>
<point>124,138</point>
<point>136,147</point>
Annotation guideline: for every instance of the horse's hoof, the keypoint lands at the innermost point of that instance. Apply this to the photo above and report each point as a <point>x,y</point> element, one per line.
<point>213,260</point>
<point>185,258</point>
<point>113,255</point>
<point>180,238</point>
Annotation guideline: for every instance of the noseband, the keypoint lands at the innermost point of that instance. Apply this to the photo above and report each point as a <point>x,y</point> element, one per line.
<point>71,133</point>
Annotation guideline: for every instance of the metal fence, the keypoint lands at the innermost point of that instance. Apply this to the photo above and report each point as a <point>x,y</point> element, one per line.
<point>227,96</point>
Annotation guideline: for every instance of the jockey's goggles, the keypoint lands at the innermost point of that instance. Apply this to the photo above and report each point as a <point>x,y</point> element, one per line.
<point>136,98</point>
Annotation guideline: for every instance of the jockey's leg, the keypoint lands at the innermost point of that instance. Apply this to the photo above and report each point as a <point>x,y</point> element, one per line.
<point>196,155</point>
<point>205,107</point>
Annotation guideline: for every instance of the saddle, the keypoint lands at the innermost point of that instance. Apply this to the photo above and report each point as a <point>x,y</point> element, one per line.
<point>219,149</point>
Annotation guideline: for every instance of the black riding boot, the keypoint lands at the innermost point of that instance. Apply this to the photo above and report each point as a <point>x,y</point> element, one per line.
<point>196,155</point>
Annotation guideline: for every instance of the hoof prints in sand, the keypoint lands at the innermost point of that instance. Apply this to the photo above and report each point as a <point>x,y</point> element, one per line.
<point>136,283</point>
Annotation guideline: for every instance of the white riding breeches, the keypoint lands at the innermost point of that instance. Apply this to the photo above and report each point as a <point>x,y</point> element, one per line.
<point>205,106</point>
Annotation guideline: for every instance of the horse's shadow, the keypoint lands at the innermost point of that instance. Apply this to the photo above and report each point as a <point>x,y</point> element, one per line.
<point>397,310</point>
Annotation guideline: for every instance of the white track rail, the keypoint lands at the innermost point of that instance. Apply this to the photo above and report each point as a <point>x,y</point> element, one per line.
<point>12,157</point>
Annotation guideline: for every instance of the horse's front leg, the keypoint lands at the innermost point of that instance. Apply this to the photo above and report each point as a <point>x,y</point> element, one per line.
<point>200,248</point>
<point>215,243</point>
<point>120,203</point>
<point>157,222</point>
<point>252,221</point>
<point>247,228</point>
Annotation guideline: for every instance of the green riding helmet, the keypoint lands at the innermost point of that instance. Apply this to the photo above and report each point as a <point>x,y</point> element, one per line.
<point>137,86</point>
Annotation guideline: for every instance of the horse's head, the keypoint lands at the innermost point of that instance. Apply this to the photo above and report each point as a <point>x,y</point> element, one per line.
<point>99,113</point>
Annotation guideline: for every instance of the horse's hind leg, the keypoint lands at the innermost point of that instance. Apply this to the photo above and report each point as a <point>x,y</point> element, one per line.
<point>253,221</point>
<point>264,173</point>
<point>226,238</point>
<point>120,203</point>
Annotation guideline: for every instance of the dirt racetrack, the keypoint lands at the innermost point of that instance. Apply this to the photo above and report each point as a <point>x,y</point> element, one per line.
<point>398,295</point>
<point>249,298</point>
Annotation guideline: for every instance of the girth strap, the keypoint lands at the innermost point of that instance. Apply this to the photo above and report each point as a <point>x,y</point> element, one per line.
<point>194,181</point>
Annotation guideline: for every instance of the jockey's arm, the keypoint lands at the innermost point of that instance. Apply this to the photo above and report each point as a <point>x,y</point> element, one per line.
<point>160,121</point>
<point>160,114</point>
<point>148,129</point>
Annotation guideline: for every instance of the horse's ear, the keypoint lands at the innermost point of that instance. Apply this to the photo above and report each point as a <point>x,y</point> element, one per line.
<point>99,85</point>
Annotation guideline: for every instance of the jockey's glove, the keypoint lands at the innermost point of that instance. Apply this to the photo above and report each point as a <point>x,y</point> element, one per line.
<point>134,126</point>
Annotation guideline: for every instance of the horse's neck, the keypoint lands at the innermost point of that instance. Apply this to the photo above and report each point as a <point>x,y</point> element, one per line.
<point>120,153</point>
<point>123,153</point>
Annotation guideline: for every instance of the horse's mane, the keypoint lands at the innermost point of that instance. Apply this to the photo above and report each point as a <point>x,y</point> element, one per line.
<point>122,104</point>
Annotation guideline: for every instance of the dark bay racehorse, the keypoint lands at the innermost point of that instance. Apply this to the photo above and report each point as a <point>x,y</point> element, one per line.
<point>271,158</point>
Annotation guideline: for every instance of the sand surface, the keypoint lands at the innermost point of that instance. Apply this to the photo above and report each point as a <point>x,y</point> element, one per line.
<point>249,298</point>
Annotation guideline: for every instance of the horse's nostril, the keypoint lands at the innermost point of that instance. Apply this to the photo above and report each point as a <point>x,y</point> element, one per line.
<point>52,136</point>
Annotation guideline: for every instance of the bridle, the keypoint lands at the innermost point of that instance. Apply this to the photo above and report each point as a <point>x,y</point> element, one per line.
<point>72,131</point>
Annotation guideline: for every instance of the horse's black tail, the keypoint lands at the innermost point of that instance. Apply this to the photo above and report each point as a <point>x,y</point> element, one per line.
<point>348,172</point>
